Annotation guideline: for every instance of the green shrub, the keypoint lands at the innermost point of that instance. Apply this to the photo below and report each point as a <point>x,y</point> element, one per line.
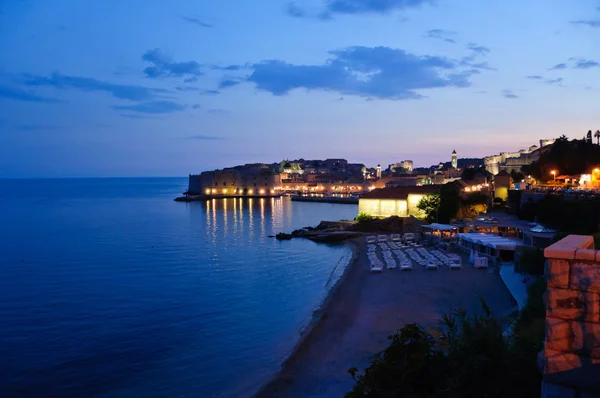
<point>363,217</point>
<point>466,356</point>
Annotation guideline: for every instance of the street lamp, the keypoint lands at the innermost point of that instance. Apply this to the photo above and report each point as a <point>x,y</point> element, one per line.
<point>553,172</point>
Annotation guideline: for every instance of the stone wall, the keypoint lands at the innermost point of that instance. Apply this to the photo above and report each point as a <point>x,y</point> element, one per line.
<point>570,360</point>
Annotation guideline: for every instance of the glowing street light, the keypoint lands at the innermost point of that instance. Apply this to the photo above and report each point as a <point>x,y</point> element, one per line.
<point>553,172</point>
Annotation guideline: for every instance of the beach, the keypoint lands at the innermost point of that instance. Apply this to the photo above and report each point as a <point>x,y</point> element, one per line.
<point>363,309</point>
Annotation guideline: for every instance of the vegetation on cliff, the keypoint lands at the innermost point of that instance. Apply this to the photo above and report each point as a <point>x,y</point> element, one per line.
<point>465,356</point>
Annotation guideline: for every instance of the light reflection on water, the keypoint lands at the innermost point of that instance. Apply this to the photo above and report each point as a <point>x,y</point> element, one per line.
<point>128,293</point>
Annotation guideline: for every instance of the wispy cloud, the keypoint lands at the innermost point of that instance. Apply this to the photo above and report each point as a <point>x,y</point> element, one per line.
<point>441,34</point>
<point>330,8</point>
<point>196,106</point>
<point>509,94</point>
<point>228,67</point>
<point>558,81</point>
<point>211,92</point>
<point>129,116</point>
<point>228,83</point>
<point>559,67</point>
<point>21,95</point>
<point>155,107</point>
<point>377,72</point>
<point>203,137</point>
<point>196,22</point>
<point>474,59</point>
<point>163,66</point>
<point>476,48</point>
<point>186,88</point>
<point>127,92</point>
<point>594,23</point>
<point>586,64</point>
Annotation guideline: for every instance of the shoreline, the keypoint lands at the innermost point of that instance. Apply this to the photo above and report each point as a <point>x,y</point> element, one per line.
<point>309,333</point>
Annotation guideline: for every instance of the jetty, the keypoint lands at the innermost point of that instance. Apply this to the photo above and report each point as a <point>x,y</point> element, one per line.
<point>326,199</point>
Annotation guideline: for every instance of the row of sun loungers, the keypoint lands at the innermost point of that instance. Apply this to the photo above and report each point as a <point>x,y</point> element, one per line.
<point>407,238</point>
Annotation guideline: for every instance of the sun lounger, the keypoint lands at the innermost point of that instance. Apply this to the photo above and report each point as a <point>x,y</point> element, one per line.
<point>396,238</point>
<point>371,239</point>
<point>382,238</point>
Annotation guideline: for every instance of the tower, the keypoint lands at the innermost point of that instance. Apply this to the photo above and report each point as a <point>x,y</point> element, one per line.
<point>454,159</point>
<point>378,171</point>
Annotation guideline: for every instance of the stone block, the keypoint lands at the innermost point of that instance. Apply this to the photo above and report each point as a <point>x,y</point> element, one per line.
<point>585,254</point>
<point>558,361</point>
<point>558,335</point>
<point>573,305</point>
<point>586,339</point>
<point>585,276</point>
<point>550,390</point>
<point>558,273</point>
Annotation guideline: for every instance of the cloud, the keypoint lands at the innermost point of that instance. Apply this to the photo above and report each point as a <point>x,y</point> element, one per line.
<point>229,67</point>
<point>441,34</point>
<point>480,92</point>
<point>228,83</point>
<point>195,106</point>
<point>196,21</point>
<point>559,66</point>
<point>594,23</point>
<point>186,88</point>
<point>163,66</point>
<point>155,107</point>
<point>190,79</point>
<point>127,92</point>
<point>20,95</point>
<point>203,137</point>
<point>378,72</point>
<point>137,116</point>
<point>509,94</point>
<point>330,8</point>
<point>536,77</point>
<point>211,92</point>
<point>481,50</point>
<point>586,64</point>
<point>558,81</point>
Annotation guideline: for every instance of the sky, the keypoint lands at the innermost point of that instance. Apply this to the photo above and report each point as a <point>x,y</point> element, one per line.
<point>119,88</point>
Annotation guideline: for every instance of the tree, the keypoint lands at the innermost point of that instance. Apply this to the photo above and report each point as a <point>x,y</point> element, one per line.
<point>597,136</point>
<point>430,205</point>
<point>588,137</point>
<point>517,176</point>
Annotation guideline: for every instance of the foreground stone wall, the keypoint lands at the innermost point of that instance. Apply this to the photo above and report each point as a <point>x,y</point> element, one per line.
<point>571,356</point>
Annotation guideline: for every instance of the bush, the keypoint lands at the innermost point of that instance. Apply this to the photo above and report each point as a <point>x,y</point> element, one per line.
<point>363,217</point>
<point>466,356</point>
<point>532,261</point>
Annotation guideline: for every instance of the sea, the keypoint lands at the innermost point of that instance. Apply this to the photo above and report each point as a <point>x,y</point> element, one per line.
<point>109,288</point>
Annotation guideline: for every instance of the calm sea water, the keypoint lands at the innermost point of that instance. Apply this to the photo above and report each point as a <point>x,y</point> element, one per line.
<point>108,288</point>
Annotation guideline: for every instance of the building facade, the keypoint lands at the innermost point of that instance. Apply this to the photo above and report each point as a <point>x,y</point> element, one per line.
<point>248,180</point>
<point>399,201</point>
<point>509,161</point>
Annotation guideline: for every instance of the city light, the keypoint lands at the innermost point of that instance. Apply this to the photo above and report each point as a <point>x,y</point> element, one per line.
<point>214,190</point>
<point>250,192</point>
<point>272,191</point>
<point>262,192</point>
<point>207,191</point>
<point>224,190</point>
<point>553,172</point>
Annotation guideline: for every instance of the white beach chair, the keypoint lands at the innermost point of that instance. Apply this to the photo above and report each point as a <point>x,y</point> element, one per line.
<point>382,238</point>
<point>396,238</point>
<point>371,239</point>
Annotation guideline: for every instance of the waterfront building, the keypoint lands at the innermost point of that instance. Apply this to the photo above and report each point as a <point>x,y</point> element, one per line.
<point>247,180</point>
<point>400,201</point>
<point>509,161</point>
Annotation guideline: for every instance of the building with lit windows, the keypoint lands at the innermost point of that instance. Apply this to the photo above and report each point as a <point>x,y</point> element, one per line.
<point>400,201</point>
<point>247,180</point>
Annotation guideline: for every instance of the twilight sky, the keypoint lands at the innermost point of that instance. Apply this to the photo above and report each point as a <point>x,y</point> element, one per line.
<point>167,88</point>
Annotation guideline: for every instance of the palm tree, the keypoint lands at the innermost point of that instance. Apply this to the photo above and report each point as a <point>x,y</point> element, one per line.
<point>597,136</point>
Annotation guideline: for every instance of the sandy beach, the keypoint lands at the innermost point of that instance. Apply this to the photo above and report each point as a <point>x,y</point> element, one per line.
<point>364,309</point>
